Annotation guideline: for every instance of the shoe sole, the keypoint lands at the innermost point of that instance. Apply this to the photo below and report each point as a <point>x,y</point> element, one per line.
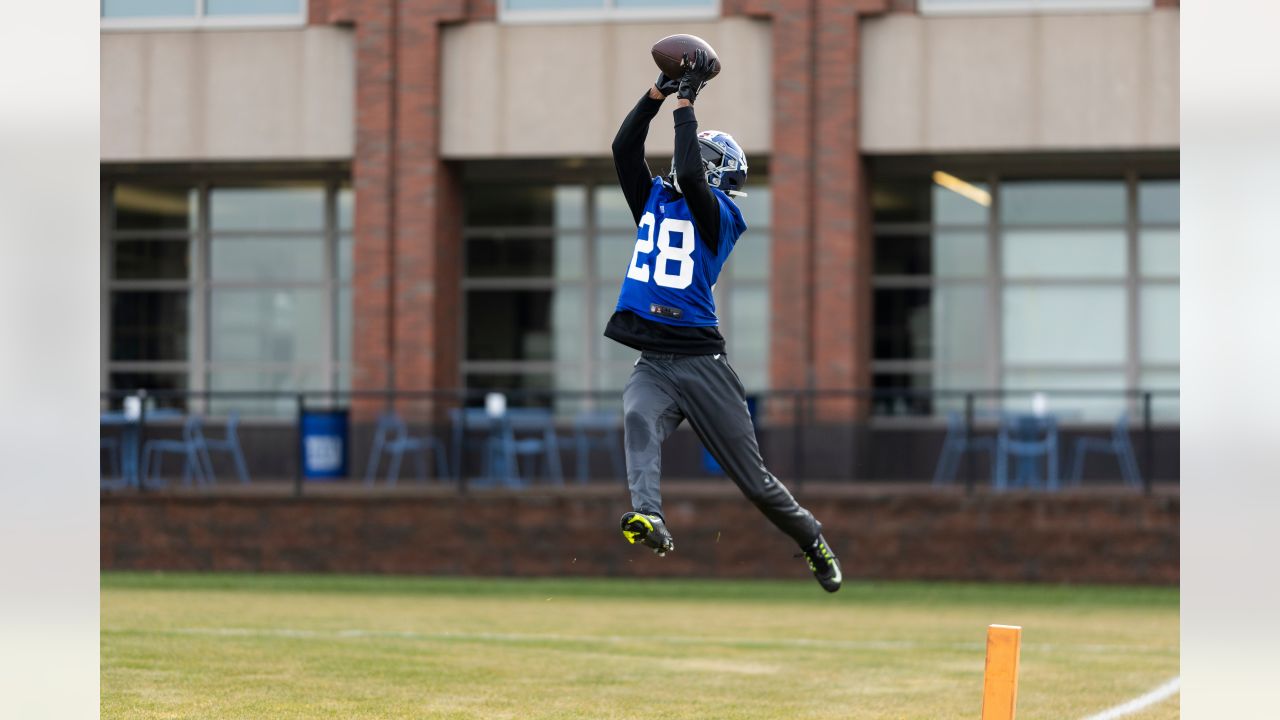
<point>636,528</point>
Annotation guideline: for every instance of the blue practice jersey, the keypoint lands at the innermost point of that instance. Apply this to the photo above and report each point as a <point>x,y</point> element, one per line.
<point>671,273</point>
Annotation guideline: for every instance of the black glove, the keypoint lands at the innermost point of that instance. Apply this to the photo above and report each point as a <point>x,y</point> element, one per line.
<point>666,85</point>
<point>696,74</point>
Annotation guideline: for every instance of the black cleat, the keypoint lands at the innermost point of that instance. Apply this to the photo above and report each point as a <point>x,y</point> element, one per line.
<point>824,564</point>
<point>649,530</point>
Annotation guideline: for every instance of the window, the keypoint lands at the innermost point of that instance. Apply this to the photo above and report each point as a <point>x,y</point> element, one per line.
<point>169,14</point>
<point>229,286</point>
<point>543,263</point>
<point>1026,285</point>
<point>975,7</point>
<point>595,10</point>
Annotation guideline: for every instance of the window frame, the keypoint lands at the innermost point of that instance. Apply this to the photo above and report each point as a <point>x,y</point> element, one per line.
<point>606,12</point>
<point>996,369</point>
<point>200,286</point>
<point>944,8</point>
<point>200,20</point>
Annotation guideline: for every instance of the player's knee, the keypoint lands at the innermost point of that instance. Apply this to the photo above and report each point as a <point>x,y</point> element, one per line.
<point>637,426</point>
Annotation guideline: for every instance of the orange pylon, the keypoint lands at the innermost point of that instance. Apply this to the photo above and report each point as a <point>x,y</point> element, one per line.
<point>1000,682</point>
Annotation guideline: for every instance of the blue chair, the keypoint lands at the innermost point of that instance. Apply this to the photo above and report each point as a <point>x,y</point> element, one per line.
<point>1027,437</point>
<point>392,438</point>
<point>1118,445</point>
<point>466,421</point>
<point>598,429</point>
<point>527,432</point>
<point>230,444</point>
<point>955,445</point>
<point>188,448</point>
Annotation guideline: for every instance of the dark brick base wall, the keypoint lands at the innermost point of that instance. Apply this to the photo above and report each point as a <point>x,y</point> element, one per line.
<point>1093,537</point>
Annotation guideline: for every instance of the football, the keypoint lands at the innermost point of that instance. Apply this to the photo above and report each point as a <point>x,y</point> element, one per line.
<point>671,50</point>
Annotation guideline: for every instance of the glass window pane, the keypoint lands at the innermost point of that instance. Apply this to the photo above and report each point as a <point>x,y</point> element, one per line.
<point>148,8</point>
<point>757,206</point>
<point>611,209</point>
<point>960,324</point>
<point>1067,202</point>
<point>530,382</point>
<point>267,207</point>
<point>902,201</point>
<point>630,4</point>
<point>903,322</point>
<point>285,382</point>
<point>505,205</point>
<point>970,207</point>
<point>1159,313</point>
<point>901,394</point>
<point>747,333</point>
<point>277,325</point>
<point>750,258</point>
<point>553,4</point>
<point>509,325</point>
<point>950,253</point>
<point>346,207</point>
<point>266,259</point>
<point>151,260</point>
<point>1158,253</point>
<point>151,382</point>
<point>1096,396</point>
<point>346,249</point>
<point>1158,201</point>
<point>509,257</point>
<point>1063,325</point>
<point>613,377</point>
<point>569,324</point>
<point>613,255</point>
<point>1064,253</point>
<point>570,207</point>
<point>151,325</point>
<point>1165,407</point>
<point>253,7</point>
<point>154,207</point>
<point>606,302</point>
<point>343,317</point>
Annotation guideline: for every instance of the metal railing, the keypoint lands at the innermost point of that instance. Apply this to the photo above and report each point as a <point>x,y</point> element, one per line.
<point>858,435</point>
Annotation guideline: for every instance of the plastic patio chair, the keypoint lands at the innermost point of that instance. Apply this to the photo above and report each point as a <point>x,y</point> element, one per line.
<point>525,432</point>
<point>1027,437</point>
<point>598,429</point>
<point>392,438</point>
<point>230,444</point>
<point>955,445</point>
<point>1118,445</point>
<point>188,447</point>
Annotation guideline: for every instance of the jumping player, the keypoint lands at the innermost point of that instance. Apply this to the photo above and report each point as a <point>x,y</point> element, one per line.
<point>687,226</point>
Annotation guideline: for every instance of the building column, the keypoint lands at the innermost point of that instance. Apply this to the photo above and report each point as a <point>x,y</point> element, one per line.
<point>822,247</point>
<point>406,302</point>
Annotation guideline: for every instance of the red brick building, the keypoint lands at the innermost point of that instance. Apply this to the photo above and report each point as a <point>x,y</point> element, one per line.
<point>416,194</point>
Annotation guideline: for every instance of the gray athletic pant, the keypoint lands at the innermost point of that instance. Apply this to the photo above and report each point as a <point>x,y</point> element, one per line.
<point>665,389</point>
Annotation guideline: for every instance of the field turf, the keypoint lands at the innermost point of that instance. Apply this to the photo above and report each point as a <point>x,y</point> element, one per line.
<point>273,646</point>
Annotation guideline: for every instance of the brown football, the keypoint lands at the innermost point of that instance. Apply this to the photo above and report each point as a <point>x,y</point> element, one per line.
<point>671,50</point>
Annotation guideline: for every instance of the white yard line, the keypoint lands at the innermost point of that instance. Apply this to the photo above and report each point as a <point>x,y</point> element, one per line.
<point>619,639</point>
<point>1164,692</point>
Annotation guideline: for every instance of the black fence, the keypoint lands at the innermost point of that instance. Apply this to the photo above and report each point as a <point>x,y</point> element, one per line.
<point>473,439</point>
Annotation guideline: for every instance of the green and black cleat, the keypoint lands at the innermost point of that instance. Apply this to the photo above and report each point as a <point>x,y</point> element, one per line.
<point>648,530</point>
<point>824,564</point>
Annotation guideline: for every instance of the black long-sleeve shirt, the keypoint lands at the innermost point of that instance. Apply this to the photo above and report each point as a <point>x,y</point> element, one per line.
<point>633,175</point>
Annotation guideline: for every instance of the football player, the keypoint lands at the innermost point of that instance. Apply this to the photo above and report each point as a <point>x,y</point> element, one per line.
<point>687,226</point>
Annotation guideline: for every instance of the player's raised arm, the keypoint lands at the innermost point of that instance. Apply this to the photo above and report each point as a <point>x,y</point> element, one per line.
<point>690,174</point>
<point>628,146</point>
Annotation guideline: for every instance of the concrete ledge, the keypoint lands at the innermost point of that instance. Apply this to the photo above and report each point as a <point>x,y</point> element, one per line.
<point>882,532</point>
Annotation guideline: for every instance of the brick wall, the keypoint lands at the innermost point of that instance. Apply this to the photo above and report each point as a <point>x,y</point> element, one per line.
<point>1100,537</point>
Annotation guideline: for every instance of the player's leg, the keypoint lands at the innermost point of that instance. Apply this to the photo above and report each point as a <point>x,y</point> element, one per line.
<point>649,415</point>
<point>713,399</point>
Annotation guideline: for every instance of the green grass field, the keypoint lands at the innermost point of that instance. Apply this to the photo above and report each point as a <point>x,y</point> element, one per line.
<point>237,646</point>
